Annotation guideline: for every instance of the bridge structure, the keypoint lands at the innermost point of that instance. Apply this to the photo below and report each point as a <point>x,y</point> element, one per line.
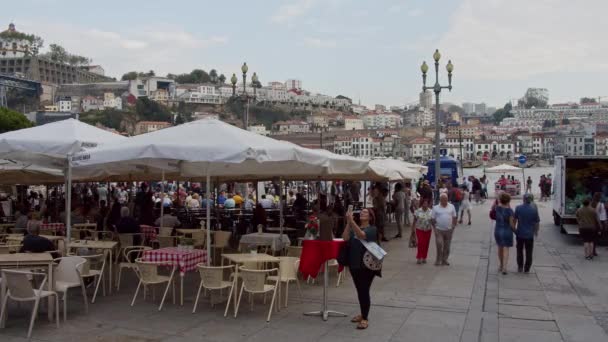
<point>8,81</point>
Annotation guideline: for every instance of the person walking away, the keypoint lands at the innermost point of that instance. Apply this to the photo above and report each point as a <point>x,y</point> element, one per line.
<point>600,209</point>
<point>477,189</point>
<point>541,185</point>
<point>399,205</point>
<point>444,221</point>
<point>484,187</point>
<point>527,221</point>
<point>426,192</point>
<point>454,196</point>
<point>423,226</point>
<point>587,227</point>
<point>362,276</point>
<point>465,205</point>
<point>503,230</point>
<point>379,203</point>
<point>529,185</point>
<point>408,202</point>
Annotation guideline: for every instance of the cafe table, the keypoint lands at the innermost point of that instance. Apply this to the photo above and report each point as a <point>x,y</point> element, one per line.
<point>277,242</point>
<point>239,259</point>
<point>5,226</point>
<point>57,227</point>
<point>97,244</point>
<point>28,260</point>
<point>184,259</point>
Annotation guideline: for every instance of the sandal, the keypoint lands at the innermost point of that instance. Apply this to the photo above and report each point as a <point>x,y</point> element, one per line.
<point>363,324</point>
<point>357,319</point>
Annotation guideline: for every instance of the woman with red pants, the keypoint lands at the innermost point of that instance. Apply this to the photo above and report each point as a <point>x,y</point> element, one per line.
<point>424,226</point>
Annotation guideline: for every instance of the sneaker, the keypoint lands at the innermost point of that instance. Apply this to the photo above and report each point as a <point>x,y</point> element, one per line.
<point>419,262</point>
<point>520,269</point>
<point>424,261</point>
<point>445,263</point>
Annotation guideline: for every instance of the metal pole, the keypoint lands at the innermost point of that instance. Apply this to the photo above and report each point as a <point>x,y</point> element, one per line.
<point>437,146</point>
<point>162,198</point>
<point>461,155</point>
<point>208,220</point>
<point>68,200</point>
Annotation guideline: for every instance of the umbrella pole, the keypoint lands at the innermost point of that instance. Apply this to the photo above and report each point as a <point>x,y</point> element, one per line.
<point>281,212</point>
<point>208,207</point>
<point>68,200</point>
<point>162,198</point>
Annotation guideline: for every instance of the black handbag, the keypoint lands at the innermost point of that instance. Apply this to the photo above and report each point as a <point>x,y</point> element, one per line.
<point>344,255</point>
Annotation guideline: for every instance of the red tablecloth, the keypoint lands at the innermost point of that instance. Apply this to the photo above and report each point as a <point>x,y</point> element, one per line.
<point>186,260</point>
<point>59,228</point>
<point>315,253</point>
<point>149,232</point>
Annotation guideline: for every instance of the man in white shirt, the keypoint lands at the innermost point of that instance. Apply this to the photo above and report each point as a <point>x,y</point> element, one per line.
<point>168,220</point>
<point>266,203</point>
<point>102,191</point>
<point>444,221</point>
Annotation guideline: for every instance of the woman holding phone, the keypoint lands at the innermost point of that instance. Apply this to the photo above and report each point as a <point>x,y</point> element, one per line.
<point>362,276</point>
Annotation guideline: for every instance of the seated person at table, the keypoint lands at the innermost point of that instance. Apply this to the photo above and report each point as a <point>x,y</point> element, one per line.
<point>230,203</point>
<point>249,203</point>
<point>300,203</point>
<point>34,243</point>
<point>259,217</point>
<point>128,225</point>
<point>266,203</point>
<point>169,220</point>
<point>194,202</point>
<point>221,198</point>
<point>238,200</point>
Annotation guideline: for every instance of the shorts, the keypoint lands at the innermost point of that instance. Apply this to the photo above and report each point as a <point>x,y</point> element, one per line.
<point>587,234</point>
<point>465,205</point>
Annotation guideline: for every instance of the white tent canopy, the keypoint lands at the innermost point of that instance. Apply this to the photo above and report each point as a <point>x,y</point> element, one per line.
<point>394,169</point>
<point>503,168</point>
<point>416,167</point>
<point>210,148</point>
<point>50,144</point>
<point>17,173</point>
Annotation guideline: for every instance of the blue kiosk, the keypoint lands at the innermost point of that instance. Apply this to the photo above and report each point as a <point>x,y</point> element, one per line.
<point>449,170</point>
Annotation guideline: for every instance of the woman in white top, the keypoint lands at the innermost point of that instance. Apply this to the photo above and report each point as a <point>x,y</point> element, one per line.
<point>600,210</point>
<point>465,204</point>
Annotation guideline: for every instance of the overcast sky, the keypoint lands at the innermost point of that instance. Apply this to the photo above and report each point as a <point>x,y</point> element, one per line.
<point>368,50</point>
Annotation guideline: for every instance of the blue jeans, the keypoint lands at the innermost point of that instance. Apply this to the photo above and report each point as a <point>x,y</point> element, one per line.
<point>456,206</point>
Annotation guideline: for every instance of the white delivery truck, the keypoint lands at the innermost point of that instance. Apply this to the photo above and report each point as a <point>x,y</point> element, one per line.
<point>574,179</point>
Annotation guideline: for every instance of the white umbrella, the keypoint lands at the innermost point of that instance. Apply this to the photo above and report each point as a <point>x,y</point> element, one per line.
<point>393,169</point>
<point>17,173</point>
<point>503,168</point>
<point>417,167</point>
<point>51,145</point>
<point>210,148</point>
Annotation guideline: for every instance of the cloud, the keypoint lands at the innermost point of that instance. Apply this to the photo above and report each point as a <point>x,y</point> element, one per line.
<point>518,39</point>
<point>288,12</point>
<point>140,48</point>
<point>319,43</point>
<point>415,12</point>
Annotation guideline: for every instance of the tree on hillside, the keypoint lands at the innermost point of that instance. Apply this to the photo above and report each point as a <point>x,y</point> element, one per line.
<point>149,110</point>
<point>59,54</point>
<point>222,79</point>
<point>588,100</point>
<point>213,74</point>
<point>195,76</point>
<point>502,113</point>
<point>11,120</point>
<point>455,109</point>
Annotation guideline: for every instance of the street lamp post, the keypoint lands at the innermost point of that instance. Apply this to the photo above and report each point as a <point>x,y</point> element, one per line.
<point>245,97</point>
<point>436,88</point>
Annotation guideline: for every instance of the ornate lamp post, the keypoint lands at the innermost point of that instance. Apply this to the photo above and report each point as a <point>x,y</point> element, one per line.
<point>244,69</point>
<point>436,88</point>
<point>233,80</point>
<point>245,97</point>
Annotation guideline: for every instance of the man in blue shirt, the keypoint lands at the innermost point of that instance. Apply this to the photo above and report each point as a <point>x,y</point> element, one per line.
<point>527,221</point>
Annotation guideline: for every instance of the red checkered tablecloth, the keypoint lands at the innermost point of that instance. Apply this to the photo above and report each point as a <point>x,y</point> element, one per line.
<point>186,260</point>
<point>149,232</point>
<point>59,228</point>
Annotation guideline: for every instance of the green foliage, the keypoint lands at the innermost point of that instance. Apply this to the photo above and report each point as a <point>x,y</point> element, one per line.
<point>11,120</point>
<point>502,113</point>
<point>530,102</point>
<point>455,109</point>
<point>110,117</point>
<point>195,76</point>
<point>222,79</point>
<point>262,114</point>
<point>148,110</point>
<point>588,100</point>
<point>59,54</point>
<point>131,75</point>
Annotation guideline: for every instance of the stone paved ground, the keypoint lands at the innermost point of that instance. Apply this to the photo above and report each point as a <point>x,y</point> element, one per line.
<point>565,298</point>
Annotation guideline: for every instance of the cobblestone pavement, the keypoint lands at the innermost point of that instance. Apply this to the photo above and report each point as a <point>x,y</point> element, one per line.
<point>564,298</point>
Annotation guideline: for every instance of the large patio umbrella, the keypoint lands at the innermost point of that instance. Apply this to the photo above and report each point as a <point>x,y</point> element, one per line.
<point>503,168</point>
<point>17,173</point>
<point>51,146</point>
<point>393,169</point>
<point>211,149</point>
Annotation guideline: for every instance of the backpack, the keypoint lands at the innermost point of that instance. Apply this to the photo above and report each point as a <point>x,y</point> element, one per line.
<point>458,195</point>
<point>493,212</point>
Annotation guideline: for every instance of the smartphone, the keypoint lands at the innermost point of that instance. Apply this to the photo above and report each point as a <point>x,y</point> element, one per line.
<point>350,208</point>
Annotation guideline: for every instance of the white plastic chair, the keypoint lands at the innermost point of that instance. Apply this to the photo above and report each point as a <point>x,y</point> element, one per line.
<point>254,281</point>
<point>20,290</point>
<point>294,251</point>
<point>96,268</point>
<point>199,239</point>
<point>288,268</point>
<point>212,278</point>
<point>221,240</point>
<point>129,253</point>
<point>68,274</point>
<point>147,272</point>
